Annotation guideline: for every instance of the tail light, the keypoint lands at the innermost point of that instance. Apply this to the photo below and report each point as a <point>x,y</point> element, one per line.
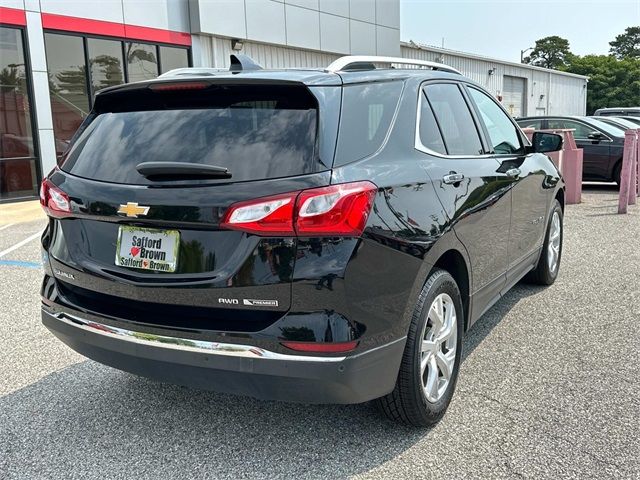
<point>334,211</point>
<point>328,347</point>
<point>53,200</point>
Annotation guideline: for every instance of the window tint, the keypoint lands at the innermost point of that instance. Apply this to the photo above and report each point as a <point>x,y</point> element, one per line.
<point>142,61</point>
<point>105,61</point>
<point>171,57</point>
<point>455,120</point>
<point>367,111</point>
<point>502,132</point>
<point>261,135</point>
<point>429,132</point>
<point>582,130</point>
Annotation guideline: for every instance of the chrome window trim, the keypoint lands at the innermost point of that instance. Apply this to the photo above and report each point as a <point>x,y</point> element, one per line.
<point>418,145</point>
<point>188,345</point>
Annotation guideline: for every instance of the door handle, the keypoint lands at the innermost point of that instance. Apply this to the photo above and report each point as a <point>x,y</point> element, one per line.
<point>453,178</point>
<point>513,172</point>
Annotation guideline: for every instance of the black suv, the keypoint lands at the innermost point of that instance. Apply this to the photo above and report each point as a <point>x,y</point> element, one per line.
<point>321,236</point>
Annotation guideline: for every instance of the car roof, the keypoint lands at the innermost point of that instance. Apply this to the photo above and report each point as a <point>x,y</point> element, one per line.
<point>345,70</point>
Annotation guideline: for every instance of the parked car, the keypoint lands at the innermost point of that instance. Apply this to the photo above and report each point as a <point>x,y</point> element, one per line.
<point>615,112</point>
<point>634,120</point>
<point>602,143</point>
<point>620,122</point>
<point>320,236</point>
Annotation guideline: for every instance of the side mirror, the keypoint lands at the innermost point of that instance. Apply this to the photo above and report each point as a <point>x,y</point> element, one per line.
<point>543,142</point>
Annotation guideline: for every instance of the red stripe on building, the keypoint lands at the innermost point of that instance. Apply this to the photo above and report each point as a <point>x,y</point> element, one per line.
<point>158,35</point>
<point>12,16</point>
<point>111,29</point>
<point>82,25</point>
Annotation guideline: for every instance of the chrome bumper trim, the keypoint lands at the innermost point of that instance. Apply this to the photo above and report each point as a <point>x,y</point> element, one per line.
<point>184,344</point>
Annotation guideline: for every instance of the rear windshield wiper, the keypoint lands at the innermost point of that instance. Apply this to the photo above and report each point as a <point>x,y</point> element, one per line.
<point>180,171</point>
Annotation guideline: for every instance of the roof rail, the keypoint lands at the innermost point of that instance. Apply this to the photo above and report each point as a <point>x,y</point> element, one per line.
<point>364,62</point>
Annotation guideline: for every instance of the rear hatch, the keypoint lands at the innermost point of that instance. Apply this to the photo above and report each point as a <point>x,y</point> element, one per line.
<point>149,177</point>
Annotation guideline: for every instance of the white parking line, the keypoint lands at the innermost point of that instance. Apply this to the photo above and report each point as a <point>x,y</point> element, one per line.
<point>20,244</point>
<point>6,226</point>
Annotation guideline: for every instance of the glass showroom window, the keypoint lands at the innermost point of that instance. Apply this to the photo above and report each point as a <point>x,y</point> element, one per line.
<point>173,57</point>
<point>142,61</point>
<point>68,87</point>
<point>18,163</point>
<point>80,66</point>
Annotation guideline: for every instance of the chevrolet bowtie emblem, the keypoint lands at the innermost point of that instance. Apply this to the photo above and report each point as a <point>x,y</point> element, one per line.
<point>132,209</point>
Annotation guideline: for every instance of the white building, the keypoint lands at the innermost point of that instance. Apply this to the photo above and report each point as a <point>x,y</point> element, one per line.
<point>54,55</point>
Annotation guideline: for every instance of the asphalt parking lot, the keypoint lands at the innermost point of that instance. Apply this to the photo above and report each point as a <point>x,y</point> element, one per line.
<point>548,388</point>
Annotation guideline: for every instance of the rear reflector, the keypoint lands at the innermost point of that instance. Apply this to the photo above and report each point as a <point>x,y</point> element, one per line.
<point>333,211</point>
<point>321,347</point>
<point>163,87</point>
<point>53,200</point>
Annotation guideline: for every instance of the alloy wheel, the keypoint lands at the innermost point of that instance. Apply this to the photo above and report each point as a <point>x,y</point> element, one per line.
<point>438,349</point>
<point>553,249</point>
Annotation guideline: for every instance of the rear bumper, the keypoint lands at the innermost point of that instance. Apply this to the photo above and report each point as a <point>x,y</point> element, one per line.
<point>232,368</point>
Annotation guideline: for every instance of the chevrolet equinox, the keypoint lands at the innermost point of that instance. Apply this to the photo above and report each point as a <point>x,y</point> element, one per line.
<point>320,236</point>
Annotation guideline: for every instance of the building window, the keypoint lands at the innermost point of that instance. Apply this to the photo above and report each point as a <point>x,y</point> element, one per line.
<point>105,59</point>
<point>80,66</point>
<point>18,162</point>
<point>173,57</point>
<point>67,69</point>
<point>142,61</point>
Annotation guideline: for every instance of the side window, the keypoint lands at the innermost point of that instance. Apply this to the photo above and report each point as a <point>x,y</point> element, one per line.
<point>537,124</point>
<point>429,132</point>
<point>582,131</point>
<point>367,112</point>
<point>454,118</point>
<point>503,134</point>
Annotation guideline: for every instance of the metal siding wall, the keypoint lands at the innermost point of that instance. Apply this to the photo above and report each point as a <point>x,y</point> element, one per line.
<point>563,94</point>
<point>269,56</point>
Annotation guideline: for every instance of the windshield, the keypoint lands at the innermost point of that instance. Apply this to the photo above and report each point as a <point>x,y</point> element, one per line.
<point>271,136</point>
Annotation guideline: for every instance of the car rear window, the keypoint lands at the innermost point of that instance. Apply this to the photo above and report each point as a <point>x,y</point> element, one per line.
<point>256,132</point>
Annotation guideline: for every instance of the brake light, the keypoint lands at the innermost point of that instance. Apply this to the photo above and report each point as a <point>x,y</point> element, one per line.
<point>53,200</point>
<point>328,347</point>
<point>164,87</point>
<point>337,210</point>
<point>333,211</point>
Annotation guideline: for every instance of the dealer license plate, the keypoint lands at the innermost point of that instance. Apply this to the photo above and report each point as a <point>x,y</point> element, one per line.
<point>147,248</point>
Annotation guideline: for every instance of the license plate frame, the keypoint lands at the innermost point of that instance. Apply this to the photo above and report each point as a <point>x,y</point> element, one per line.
<point>150,253</point>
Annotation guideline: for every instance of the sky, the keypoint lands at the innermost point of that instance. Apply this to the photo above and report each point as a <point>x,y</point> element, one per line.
<point>501,28</point>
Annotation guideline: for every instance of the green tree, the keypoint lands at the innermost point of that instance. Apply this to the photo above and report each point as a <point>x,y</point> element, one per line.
<point>612,82</point>
<point>627,44</point>
<point>550,52</point>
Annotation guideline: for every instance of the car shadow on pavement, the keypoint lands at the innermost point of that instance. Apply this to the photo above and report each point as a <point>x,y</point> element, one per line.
<point>91,421</point>
<point>485,324</point>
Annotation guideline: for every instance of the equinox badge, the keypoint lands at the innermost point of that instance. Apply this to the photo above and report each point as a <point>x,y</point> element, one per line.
<point>132,209</point>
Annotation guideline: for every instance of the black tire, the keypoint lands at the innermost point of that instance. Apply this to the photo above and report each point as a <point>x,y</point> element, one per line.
<point>408,403</point>
<point>617,169</point>
<point>543,274</point>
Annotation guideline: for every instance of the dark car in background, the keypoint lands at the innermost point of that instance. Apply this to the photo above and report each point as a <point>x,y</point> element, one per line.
<point>320,236</point>
<point>616,112</point>
<point>602,143</point>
